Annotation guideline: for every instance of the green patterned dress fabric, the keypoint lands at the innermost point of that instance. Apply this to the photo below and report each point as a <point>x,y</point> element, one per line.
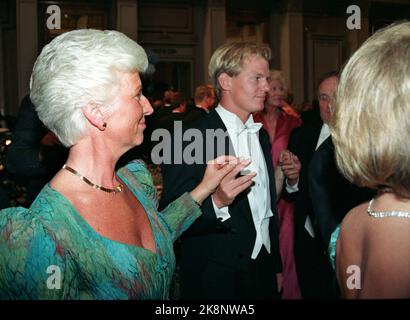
<point>50,252</point>
<point>332,246</point>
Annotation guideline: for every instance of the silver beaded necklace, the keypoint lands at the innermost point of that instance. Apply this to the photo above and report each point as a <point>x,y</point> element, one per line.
<point>383,214</point>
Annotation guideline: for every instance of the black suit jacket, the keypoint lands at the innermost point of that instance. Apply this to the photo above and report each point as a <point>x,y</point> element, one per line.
<point>193,114</point>
<point>22,157</point>
<point>302,143</point>
<point>167,122</point>
<point>332,195</point>
<point>314,271</point>
<point>209,243</point>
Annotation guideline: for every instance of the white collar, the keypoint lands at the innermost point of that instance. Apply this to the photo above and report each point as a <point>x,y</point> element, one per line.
<point>231,120</point>
<point>323,135</point>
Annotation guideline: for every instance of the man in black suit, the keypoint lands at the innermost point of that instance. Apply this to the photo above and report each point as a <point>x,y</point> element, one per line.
<point>333,196</point>
<point>178,109</point>
<point>314,272</point>
<point>35,154</point>
<point>231,251</point>
<point>205,98</point>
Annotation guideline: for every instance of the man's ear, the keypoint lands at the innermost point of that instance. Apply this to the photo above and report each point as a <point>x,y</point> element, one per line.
<point>225,81</point>
<point>95,115</point>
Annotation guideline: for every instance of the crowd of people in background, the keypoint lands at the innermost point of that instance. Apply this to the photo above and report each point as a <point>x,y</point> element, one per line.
<point>299,194</point>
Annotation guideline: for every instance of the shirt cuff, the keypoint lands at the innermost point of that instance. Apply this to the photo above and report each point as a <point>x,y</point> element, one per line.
<point>221,213</point>
<point>292,189</point>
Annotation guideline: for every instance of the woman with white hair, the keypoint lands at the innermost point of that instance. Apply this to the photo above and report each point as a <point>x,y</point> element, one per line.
<point>94,232</point>
<point>371,133</point>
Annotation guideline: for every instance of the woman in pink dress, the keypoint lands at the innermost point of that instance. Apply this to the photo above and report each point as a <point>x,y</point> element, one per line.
<point>279,125</point>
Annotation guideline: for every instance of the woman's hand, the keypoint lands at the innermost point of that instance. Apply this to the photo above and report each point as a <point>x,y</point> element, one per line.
<point>220,175</point>
<point>233,184</point>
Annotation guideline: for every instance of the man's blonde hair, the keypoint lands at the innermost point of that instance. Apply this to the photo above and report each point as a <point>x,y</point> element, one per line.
<point>203,91</point>
<point>229,59</point>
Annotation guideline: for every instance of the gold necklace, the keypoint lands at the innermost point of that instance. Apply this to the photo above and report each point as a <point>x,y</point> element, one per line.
<point>117,189</point>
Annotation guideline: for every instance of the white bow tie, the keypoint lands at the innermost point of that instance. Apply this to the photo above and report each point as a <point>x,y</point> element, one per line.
<point>251,128</point>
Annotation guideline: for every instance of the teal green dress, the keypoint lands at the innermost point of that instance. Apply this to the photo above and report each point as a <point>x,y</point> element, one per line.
<point>50,252</point>
<point>332,246</point>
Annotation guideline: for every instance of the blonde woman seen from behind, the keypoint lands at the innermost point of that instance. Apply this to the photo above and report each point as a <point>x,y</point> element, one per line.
<point>371,132</point>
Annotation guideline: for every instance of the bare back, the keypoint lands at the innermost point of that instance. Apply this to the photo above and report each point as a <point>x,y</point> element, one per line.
<point>376,251</point>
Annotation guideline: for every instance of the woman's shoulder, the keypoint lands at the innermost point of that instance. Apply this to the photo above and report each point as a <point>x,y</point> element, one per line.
<point>346,233</point>
<point>23,233</point>
<point>45,217</point>
<point>135,166</point>
<point>139,169</point>
<point>353,224</point>
<point>15,218</point>
<point>137,174</point>
<point>355,216</point>
<point>22,225</point>
<point>358,221</point>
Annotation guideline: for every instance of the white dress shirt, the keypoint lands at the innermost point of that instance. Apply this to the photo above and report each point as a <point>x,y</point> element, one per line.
<point>245,142</point>
<point>324,134</point>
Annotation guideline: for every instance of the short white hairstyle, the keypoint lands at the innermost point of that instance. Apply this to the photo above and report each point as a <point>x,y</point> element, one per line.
<point>77,68</point>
